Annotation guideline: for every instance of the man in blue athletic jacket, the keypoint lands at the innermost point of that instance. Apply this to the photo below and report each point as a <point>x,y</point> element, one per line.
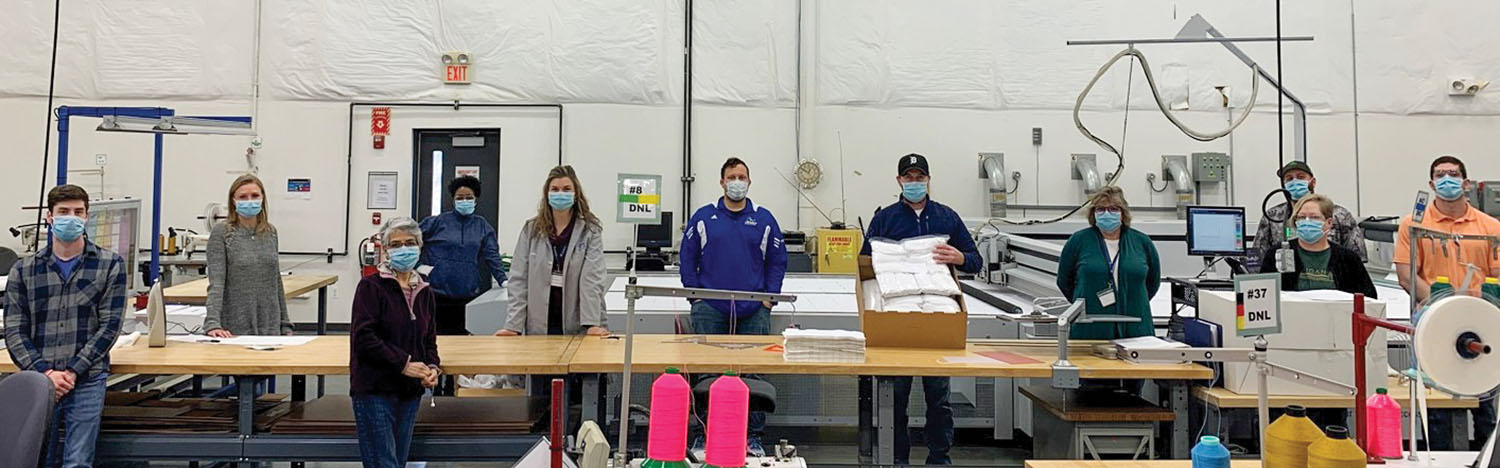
<point>734,244</point>
<point>917,215</point>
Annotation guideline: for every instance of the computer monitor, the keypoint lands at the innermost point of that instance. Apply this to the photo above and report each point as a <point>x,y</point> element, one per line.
<point>1216,231</point>
<point>656,236</point>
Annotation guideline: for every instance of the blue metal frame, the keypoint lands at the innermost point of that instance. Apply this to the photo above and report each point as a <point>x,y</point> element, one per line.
<point>64,113</point>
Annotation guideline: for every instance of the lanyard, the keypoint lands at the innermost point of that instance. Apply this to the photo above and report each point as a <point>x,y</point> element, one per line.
<point>1114,260</point>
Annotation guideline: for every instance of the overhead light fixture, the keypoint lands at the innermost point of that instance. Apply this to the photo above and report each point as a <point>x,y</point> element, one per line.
<point>173,126</point>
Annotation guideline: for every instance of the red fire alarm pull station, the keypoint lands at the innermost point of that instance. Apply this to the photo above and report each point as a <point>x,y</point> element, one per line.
<point>375,218</point>
<point>380,125</point>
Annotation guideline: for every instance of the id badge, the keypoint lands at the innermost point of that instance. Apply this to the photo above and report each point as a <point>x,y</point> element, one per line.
<point>557,280</point>
<point>1107,297</point>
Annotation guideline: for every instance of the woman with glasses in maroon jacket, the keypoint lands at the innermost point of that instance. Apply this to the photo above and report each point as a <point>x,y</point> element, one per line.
<point>393,355</point>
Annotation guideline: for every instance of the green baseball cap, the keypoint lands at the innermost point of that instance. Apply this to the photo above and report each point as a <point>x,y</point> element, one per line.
<point>1294,166</point>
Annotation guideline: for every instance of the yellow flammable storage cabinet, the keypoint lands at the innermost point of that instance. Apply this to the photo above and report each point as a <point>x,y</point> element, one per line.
<point>838,250</point>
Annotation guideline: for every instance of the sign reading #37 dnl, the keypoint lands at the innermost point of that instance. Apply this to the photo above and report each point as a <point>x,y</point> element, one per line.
<point>640,199</point>
<point>1257,304</point>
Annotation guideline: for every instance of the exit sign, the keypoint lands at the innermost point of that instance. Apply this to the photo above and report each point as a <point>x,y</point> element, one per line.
<point>456,74</point>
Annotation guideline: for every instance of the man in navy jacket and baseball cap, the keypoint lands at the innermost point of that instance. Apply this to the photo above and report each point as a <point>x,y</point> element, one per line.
<point>916,214</point>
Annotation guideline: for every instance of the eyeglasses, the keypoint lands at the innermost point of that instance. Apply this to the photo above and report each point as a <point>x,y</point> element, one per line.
<point>1108,209</point>
<point>1311,218</point>
<point>398,244</point>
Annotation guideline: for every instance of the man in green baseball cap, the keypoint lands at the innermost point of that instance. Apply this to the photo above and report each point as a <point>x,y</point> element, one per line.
<point>1297,178</point>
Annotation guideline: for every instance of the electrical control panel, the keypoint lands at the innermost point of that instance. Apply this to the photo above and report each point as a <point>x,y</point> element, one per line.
<point>1210,167</point>
<point>1486,197</point>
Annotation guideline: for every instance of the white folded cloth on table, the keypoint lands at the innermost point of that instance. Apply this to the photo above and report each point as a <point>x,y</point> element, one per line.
<point>823,346</point>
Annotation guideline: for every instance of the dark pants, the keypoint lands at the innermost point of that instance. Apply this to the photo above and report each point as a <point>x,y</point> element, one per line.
<point>540,386</point>
<point>384,425</point>
<point>452,319</point>
<point>939,430</point>
<point>452,315</point>
<point>709,321</point>
<point>1484,425</point>
<point>75,423</point>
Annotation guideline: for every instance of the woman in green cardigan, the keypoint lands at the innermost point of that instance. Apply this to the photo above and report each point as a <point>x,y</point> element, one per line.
<point>1112,267</point>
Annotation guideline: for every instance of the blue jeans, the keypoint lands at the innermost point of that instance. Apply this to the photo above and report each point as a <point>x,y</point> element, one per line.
<point>75,423</point>
<point>709,321</point>
<point>939,430</point>
<point>384,424</point>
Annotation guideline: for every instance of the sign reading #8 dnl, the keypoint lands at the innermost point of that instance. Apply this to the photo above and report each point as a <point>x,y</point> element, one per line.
<point>1257,304</point>
<point>639,199</point>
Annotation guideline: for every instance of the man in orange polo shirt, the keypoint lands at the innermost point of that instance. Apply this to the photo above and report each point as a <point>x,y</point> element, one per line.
<point>1450,212</point>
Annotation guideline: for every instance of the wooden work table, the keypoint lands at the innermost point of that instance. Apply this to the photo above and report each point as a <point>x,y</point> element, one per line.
<point>656,352</point>
<point>329,355</point>
<point>1223,398</point>
<point>196,292</point>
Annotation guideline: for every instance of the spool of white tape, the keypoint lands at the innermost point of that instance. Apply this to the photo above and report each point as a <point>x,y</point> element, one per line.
<point>1441,345</point>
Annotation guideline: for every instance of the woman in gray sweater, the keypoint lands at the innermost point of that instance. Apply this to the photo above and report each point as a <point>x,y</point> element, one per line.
<point>245,294</point>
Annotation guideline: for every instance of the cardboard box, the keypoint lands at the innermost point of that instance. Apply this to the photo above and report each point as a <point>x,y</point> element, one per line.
<point>909,329</point>
<point>1316,337</point>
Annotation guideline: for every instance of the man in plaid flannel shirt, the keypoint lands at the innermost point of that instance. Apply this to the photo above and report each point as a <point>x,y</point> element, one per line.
<point>62,314</point>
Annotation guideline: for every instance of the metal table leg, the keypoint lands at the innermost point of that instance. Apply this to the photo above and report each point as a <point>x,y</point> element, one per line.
<point>885,446</point>
<point>1458,420</point>
<point>866,422</point>
<point>591,407</point>
<point>322,325</point>
<point>1177,396</point>
<point>299,393</point>
<point>246,421</point>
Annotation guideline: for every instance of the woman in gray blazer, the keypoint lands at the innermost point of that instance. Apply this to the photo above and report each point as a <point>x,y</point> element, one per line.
<point>557,276</point>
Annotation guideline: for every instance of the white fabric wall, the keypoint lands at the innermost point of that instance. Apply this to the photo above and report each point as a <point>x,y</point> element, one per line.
<point>881,78</point>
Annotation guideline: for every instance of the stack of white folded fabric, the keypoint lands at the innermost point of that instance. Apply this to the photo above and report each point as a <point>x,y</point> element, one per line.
<point>908,279</point>
<point>823,346</point>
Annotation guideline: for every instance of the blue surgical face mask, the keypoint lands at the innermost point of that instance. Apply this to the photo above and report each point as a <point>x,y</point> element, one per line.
<point>1309,230</point>
<point>1108,221</point>
<point>247,208</point>
<point>560,200</point>
<point>737,189</point>
<point>464,207</point>
<point>404,259</point>
<point>914,191</point>
<point>1449,188</point>
<point>67,228</point>
<point>1298,188</point>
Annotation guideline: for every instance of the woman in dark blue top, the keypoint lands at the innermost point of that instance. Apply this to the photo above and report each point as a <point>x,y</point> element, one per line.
<point>456,245</point>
